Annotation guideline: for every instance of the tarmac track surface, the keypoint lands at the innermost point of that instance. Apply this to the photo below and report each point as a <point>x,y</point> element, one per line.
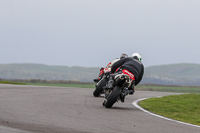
<point>39,109</point>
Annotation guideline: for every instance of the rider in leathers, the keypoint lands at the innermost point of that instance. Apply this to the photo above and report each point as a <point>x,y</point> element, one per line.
<point>123,55</point>
<point>133,66</point>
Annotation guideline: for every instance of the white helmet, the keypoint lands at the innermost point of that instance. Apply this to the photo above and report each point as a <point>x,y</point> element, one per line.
<point>136,56</point>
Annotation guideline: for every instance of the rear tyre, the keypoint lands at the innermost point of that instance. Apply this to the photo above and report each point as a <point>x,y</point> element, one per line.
<point>112,98</point>
<point>99,87</point>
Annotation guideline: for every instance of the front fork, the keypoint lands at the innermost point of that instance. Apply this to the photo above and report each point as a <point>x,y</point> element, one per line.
<point>124,92</point>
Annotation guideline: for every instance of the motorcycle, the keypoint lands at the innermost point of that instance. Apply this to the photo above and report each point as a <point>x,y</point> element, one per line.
<point>119,91</point>
<point>101,83</point>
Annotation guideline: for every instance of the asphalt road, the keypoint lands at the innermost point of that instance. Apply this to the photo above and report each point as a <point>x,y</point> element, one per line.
<point>34,109</point>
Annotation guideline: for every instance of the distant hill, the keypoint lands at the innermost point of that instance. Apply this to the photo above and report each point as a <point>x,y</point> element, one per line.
<point>45,72</point>
<point>174,74</point>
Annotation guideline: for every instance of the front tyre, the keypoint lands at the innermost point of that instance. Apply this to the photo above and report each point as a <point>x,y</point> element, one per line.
<point>112,98</point>
<point>99,87</point>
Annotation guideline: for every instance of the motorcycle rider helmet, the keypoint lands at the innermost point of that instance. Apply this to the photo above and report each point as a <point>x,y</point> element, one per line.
<point>123,55</point>
<point>137,56</point>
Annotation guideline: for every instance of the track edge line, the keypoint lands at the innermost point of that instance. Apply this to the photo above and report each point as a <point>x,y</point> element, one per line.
<point>135,103</point>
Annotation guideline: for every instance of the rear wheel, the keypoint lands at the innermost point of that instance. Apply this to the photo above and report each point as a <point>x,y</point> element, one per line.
<point>112,98</point>
<point>99,87</point>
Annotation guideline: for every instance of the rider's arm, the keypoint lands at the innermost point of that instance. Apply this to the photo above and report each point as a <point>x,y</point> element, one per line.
<point>140,76</point>
<point>117,64</point>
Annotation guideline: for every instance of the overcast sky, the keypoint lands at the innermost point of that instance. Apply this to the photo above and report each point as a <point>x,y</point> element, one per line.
<point>91,33</point>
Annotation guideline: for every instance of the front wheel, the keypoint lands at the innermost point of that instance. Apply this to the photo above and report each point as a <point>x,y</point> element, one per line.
<point>99,87</point>
<point>112,98</point>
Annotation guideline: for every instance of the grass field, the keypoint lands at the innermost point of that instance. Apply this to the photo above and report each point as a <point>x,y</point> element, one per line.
<point>182,89</point>
<point>185,108</point>
<point>167,88</point>
<point>80,85</point>
<point>8,82</point>
<point>162,88</point>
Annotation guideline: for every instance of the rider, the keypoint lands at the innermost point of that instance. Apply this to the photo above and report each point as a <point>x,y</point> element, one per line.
<point>123,55</point>
<point>131,66</point>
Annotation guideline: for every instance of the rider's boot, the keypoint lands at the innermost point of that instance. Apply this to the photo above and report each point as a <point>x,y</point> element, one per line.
<point>131,92</point>
<point>122,98</point>
<point>131,89</point>
<point>100,75</point>
<point>97,79</point>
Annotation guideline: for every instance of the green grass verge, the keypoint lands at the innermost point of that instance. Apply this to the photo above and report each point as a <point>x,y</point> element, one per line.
<point>185,108</point>
<point>182,89</point>
<point>162,88</point>
<point>8,82</point>
<point>64,85</point>
<point>80,85</point>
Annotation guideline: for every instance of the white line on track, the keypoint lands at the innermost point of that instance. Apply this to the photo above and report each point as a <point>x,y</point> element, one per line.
<point>4,129</point>
<point>135,103</point>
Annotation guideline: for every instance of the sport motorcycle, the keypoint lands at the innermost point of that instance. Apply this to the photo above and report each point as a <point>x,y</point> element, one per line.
<point>121,84</point>
<point>102,83</point>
